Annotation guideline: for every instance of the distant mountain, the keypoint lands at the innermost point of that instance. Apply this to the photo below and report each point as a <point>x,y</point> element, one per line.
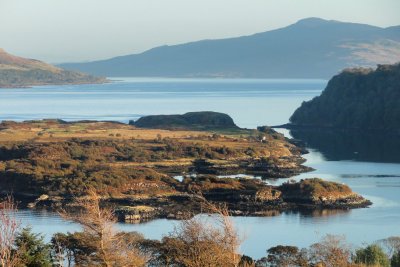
<point>20,72</point>
<point>310,48</point>
<point>360,98</point>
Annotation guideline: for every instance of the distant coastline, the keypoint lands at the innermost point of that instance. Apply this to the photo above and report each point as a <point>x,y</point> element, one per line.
<point>18,72</point>
<point>28,86</point>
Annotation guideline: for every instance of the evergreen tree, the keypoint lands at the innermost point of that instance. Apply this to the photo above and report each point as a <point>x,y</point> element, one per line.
<point>372,255</point>
<point>395,262</point>
<point>32,250</point>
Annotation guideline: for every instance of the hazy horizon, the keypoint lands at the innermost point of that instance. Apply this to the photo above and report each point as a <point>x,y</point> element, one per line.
<point>77,31</point>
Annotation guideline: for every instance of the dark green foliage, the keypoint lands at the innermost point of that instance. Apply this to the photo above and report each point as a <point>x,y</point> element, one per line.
<point>32,250</point>
<point>62,248</point>
<point>246,261</point>
<point>192,120</point>
<point>287,256</point>
<point>395,261</point>
<point>356,99</point>
<point>372,255</point>
<point>78,247</point>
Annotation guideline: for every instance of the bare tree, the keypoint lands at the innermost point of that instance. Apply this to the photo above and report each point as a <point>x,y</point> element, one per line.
<point>9,226</point>
<point>60,254</point>
<point>331,251</point>
<point>106,246</point>
<point>206,240</point>
<point>391,244</point>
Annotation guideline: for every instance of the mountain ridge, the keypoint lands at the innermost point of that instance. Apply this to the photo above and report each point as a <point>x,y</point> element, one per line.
<point>22,72</point>
<point>309,48</point>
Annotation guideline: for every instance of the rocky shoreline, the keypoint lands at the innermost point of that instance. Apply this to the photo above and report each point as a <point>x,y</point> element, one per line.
<point>255,199</point>
<point>252,198</point>
<point>47,164</point>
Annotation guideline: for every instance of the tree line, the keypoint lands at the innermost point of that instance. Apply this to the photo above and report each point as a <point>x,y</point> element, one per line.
<point>196,242</point>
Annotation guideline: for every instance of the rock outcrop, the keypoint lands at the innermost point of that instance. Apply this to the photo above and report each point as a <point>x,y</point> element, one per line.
<point>317,192</point>
<point>244,197</point>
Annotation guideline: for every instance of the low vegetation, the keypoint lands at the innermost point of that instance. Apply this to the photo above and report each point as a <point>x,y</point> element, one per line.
<point>49,163</point>
<point>311,190</point>
<point>59,159</point>
<point>197,242</point>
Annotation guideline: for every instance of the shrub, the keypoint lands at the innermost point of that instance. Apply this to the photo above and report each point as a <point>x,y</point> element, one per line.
<point>395,261</point>
<point>372,255</point>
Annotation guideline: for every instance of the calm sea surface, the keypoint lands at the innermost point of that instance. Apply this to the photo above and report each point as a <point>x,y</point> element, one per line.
<point>251,103</point>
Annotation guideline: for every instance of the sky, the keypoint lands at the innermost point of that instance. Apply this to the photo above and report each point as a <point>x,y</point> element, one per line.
<point>59,31</point>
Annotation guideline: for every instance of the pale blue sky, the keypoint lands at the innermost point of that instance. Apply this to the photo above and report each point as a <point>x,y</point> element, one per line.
<point>81,30</point>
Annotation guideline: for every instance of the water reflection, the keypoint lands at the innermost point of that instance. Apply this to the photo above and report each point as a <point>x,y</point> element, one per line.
<point>323,213</point>
<point>350,145</point>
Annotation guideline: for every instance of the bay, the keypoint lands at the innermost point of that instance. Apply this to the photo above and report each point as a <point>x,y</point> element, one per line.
<point>251,103</point>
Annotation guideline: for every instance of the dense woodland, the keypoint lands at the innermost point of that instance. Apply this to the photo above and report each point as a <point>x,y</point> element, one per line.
<point>356,99</point>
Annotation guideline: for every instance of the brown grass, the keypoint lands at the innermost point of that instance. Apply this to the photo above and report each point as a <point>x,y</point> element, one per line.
<point>47,132</point>
<point>52,131</point>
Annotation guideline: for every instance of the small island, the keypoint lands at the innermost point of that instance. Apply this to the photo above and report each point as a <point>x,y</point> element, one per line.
<point>159,173</point>
<point>356,99</point>
<point>22,72</point>
<point>203,120</point>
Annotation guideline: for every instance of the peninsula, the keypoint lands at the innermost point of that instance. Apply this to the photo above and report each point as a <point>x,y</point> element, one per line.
<point>154,173</point>
<point>355,99</point>
<point>22,72</point>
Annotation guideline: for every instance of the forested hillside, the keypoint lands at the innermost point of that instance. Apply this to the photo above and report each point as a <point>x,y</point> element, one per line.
<point>356,99</point>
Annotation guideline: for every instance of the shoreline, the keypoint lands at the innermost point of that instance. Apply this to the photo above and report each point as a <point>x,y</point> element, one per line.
<point>182,206</point>
<point>290,126</point>
<point>134,167</point>
<point>29,86</point>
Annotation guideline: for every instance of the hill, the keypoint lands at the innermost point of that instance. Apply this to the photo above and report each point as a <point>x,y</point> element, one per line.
<point>310,48</point>
<point>202,120</point>
<point>356,99</point>
<point>20,72</point>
